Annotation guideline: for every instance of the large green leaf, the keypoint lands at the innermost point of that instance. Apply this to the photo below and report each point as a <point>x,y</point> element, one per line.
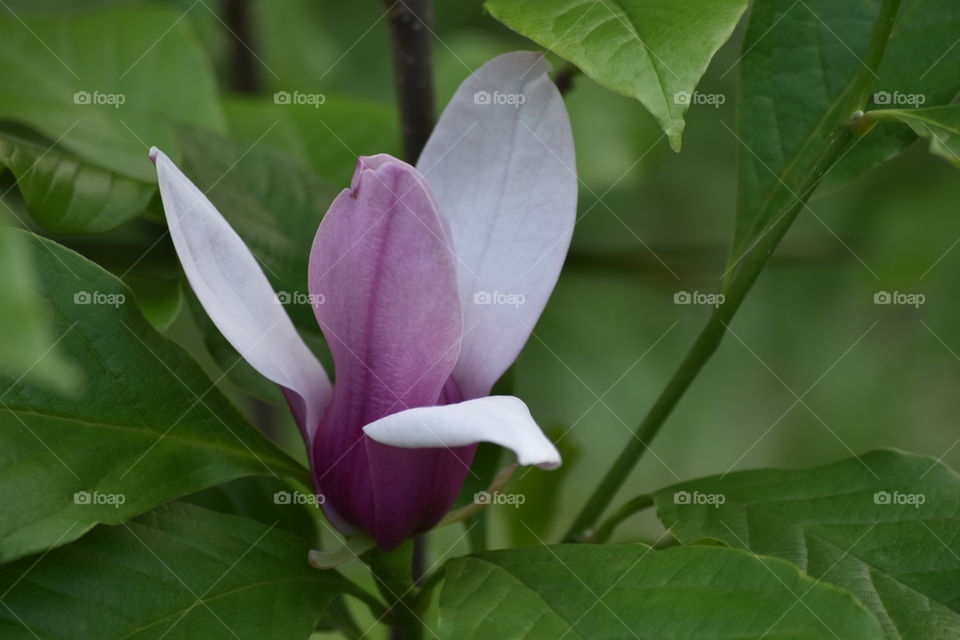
<point>141,253</point>
<point>653,50</point>
<point>800,80</point>
<point>105,84</point>
<point>940,126</point>
<point>146,424</point>
<point>180,572</point>
<point>884,526</point>
<point>159,299</point>
<point>28,347</point>
<point>631,591</point>
<point>264,499</point>
<point>66,194</point>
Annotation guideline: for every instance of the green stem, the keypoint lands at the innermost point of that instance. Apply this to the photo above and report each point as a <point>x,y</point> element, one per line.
<point>477,531</point>
<point>739,285</point>
<point>632,507</point>
<point>391,571</point>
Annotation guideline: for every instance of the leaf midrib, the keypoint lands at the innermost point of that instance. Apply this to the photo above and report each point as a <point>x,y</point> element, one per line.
<point>145,430</point>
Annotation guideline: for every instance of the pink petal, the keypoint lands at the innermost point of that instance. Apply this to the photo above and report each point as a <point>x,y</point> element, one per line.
<point>383,267</point>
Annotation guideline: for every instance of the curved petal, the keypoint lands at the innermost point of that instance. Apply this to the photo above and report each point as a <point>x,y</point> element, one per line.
<point>383,268</point>
<point>502,420</point>
<point>238,297</point>
<point>501,165</point>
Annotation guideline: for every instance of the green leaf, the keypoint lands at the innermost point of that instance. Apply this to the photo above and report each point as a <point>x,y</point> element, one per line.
<point>940,126</point>
<point>106,84</point>
<point>653,50</point>
<point>327,138</point>
<point>146,425</point>
<point>883,526</point>
<point>29,346</point>
<point>141,254</point>
<point>65,194</point>
<point>178,573</point>
<point>257,498</point>
<point>802,76</point>
<point>631,591</point>
<point>159,299</point>
<point>921,68</point>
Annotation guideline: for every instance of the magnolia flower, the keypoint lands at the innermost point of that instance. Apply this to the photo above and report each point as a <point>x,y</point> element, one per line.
<point>426,282</point>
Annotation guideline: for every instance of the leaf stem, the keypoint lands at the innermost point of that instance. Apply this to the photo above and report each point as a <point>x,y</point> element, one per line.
<point>842,137</point>
<point>476,526</point>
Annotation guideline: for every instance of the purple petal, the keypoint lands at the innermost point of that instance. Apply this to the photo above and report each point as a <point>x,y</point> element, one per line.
<point>501,164</point>
<point>383,278</point>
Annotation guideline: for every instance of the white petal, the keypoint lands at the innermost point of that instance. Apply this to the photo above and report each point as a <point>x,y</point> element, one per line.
<point>502,420</point>
<point>501,165</point>
<point>236,294</point>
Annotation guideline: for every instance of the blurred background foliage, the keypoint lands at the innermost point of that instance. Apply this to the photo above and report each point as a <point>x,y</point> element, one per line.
<point>652,223</point>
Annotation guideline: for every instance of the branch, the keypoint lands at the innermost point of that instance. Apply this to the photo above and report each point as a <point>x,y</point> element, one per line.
<point>244,76</point>
<point>410,34</point>
<point>565,77</point>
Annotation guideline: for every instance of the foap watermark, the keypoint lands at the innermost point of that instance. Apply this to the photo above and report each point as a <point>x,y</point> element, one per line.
<point>689,99</point>
<point>99,298</point>
<point>498,297</point>
<point>97,498</point>
<point>297,498</point>
<point>513,499</point>
<point>299,297</point>
<point>896,498</point>
<point>914,300</point>
<point>696,297</point>
<point>298,97</point>
<point>697,498</point>
<point>99,97</point>
<point>511,99</point>
<point>897,99</point>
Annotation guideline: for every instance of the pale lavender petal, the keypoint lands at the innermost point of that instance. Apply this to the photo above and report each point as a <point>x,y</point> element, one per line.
<point>501,164</point>
<point>502,420</point>
<point>238,297</point>
<point>383,267</point>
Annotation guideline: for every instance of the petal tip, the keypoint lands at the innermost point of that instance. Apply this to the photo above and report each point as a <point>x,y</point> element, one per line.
<point>550,465</point>
<point>370,163</point>
<point>153,153</point>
